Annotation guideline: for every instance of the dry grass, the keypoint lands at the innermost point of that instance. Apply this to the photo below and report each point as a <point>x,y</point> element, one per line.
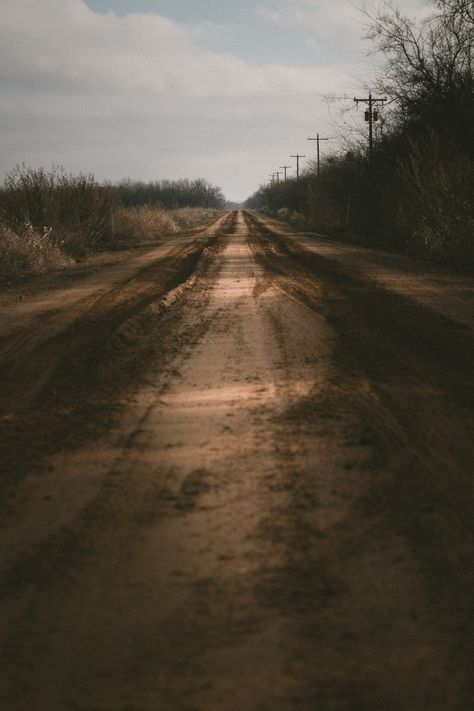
<point>28,253</point>
<point>133,224</point>
<point>187,217</point>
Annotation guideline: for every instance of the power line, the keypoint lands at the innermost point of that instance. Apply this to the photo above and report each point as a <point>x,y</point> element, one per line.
<point>298,156</point>
<point>318,139</point>
<point>371,115</point>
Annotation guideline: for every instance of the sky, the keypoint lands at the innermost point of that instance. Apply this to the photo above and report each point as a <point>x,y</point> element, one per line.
<point>167,89</point>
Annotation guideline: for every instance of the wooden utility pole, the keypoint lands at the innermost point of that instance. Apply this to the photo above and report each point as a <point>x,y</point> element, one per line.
<point>278,173</point>
<point>298,156</point>
<point>318,139</point>
<point>285,168</point>
<point>371,115</point>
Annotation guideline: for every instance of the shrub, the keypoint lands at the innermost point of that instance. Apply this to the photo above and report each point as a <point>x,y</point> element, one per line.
<point>28,253</point>
<point>438,200</point>
<point>76,210</point>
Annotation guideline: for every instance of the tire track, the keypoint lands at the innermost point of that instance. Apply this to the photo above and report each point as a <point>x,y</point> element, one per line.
<point>62,381</point>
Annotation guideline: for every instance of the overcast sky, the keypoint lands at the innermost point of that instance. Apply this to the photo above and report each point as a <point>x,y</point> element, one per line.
<point>153,89</point>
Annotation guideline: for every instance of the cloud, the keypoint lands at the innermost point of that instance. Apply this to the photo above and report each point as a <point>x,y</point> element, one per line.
<point>324,16</point>
<point>61,45</point>
<point>313,44</point>
<point>329,18</point>
<point>121,91</point>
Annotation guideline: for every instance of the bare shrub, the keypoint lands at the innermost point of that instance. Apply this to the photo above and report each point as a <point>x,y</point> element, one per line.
<point>28,253</point>
<point>438,200</point>
<point>76,209</point>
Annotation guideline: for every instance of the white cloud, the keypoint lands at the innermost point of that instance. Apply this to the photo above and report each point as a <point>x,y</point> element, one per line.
<point>62,45</point>
<point>333,17</point>
<point>88,87</point>
<point>324,16</point>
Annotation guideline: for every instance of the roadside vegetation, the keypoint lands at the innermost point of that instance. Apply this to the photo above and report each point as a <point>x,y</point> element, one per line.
<point>49,218</point>
<point>28,252</point>
<point>415,192</point>
<point>170,194</point>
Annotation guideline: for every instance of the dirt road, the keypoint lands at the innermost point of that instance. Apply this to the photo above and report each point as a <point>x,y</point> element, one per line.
<point>236,473</point>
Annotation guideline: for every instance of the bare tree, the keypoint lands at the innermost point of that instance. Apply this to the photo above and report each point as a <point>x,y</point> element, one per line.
<point>429,67</point>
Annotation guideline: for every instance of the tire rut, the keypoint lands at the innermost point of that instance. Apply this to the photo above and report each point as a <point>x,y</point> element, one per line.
<point>404,375</point>
<point>63,381</point>
<point>418,363</point>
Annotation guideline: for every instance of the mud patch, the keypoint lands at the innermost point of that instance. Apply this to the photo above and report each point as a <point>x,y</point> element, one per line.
<point>192,487</point>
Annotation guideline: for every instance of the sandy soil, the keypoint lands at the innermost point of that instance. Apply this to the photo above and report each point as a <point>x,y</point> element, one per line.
<point>236,473</point>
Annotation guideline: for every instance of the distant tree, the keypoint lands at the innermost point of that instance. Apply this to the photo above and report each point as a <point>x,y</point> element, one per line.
<point>170,194</point>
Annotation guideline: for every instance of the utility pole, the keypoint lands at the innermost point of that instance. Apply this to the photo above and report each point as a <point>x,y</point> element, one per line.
<point>298,156</point>
<point>278,173</point>
<point>318,139</point>
<point>371,115</point>
<point>285,168</point>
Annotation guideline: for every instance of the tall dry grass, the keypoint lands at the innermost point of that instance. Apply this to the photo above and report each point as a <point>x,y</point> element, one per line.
<point>188,217</point>
<point>28,253</point>
<point>135,224</point>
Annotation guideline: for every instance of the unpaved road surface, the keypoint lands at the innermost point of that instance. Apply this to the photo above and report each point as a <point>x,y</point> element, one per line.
<point>236,474</point>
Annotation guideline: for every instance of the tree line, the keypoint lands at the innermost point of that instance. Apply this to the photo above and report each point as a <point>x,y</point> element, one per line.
<point>415,190</point>
<point>170,194</point>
